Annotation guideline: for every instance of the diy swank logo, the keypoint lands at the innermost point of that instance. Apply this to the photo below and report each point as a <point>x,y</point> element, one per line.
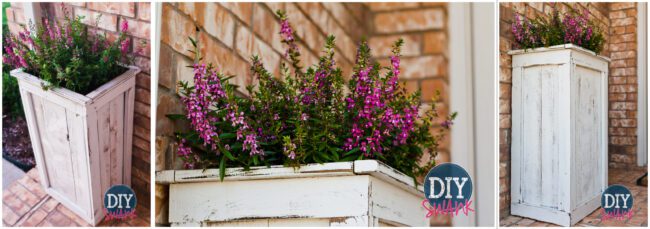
<point>448,189</point>
<point>616,202</point>
<point>119,202</point>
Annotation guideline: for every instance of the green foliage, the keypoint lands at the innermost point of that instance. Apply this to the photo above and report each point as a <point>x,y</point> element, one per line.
<point>11,103</point>
<point>307,115</point>
<point>65,54</point>
<point>557,29</point>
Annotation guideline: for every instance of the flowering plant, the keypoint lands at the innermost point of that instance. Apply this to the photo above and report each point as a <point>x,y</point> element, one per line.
<point>307,118</point>
<point>65,55</point>
<point>571,28</point>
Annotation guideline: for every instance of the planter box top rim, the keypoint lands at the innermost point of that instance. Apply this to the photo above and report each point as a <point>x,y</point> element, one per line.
<point>74,96</point>
<point>360,167</point>
<point>557,48</point>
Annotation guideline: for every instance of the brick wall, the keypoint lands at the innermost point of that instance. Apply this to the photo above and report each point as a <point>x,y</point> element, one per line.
<point>618,23</point>
<point>623,85</point>
<point>112,15</point>
<point>229,33</point>
<point>425,57</point>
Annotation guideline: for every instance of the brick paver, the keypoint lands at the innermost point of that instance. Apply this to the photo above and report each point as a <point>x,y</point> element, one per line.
<point>25,203</point>
<point>616,176</point>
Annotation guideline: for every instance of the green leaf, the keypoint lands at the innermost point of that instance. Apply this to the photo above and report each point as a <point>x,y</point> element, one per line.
<point>229,155</point>
<point>227,135</point>
<point>351,151</point>
<point>349,158</point>
<point>222,168</point>
<point>193,41</point>
<point>176,116</point>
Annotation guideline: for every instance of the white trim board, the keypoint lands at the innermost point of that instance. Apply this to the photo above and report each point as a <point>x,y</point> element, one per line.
<point>642,80</point>
<point>472,95</point>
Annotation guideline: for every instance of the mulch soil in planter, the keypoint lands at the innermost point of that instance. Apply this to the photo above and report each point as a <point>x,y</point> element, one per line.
<point>16,146</point>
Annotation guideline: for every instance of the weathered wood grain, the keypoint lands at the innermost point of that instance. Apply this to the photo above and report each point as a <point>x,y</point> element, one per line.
<point>559,129</point>
<point>360,193</point>
<point>79,140</point>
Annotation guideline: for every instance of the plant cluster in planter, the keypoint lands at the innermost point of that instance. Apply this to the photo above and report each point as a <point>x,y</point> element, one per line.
<point>307,117</point>
<point>570,28</point>
<point>66,54</point>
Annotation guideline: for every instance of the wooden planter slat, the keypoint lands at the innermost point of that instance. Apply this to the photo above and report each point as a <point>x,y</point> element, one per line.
<point>359,193</point>
<point>559,133</point>
<point>82,143</point>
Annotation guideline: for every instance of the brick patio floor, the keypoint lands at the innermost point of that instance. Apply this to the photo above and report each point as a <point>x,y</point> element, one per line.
<point>25,204</point>
<point>616,176</point>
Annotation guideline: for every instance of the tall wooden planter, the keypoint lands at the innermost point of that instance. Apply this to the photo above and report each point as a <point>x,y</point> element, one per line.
<point>82,143</point>
<point>559,133</point>
<point>359,193</point>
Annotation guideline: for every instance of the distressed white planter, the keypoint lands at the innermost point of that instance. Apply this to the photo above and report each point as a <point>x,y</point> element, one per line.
<point>359,193</point>
<point>559,133</point>
<point>82,143</point>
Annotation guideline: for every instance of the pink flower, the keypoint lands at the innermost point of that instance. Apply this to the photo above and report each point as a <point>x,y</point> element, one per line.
<point>125,26</point>
<point>124,47</point>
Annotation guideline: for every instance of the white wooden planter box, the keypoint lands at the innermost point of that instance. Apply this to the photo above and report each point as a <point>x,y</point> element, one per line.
<point>359,193</point>
<point>82,143</point>
<point>559,133</point>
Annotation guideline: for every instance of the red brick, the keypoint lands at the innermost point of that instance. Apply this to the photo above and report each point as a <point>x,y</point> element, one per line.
<point>33,173</point>
<point>242,10</point>
<point>504,106</point>
<point>623,122</point>
<point>423,66</point>
<point>13,202</point>
<point>71,215</point>
<point>142,47</point>
<point>33,187</point>
<point>223,59</point>
<point>25,195</point>
<point>59,219</point>
<point>623,71</point>
<point>143,80</point>
<point>176,30</point>
<point>141,143</point>
<point>621,5</point>
<point>436,43</point>
<point>35,218</point>
<point>121,8</point>
<point>411,86</point>
<point>390,6</point>
<point>248,45</point>
<point>8,216</point>
<point>213,18</point>
<point>344,18</point>
<point>142,95</point>
<point>304,28</point>
<point>165,73</point>
<point>429,88</point>
<point>382,46</point>
<point>142,109</point>
<point>622,88</point>
<point>412,20</point>
<point>141,132</point>
<point>144,11</point>
<point>106,21</point>
<point>267,26</point>
<point>622,140</point>
<point>504,121</point>
<point>137,28</point>
<point>50,205</point>
<point>622,21</point>
<point>617,14</point>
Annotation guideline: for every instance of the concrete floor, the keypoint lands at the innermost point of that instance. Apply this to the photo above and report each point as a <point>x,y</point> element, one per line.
<point>10,173</point>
